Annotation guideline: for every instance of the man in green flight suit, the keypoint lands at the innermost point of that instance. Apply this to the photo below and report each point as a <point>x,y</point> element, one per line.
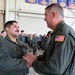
<point>12,51</point>
<point>59,58</point>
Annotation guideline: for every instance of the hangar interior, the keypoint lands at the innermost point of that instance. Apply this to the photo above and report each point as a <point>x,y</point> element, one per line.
<point>30,16</point>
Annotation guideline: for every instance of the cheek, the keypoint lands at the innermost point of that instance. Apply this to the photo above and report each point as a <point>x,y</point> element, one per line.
<point>49,20</point>
<point>46,19</point>
<point>14,29</point>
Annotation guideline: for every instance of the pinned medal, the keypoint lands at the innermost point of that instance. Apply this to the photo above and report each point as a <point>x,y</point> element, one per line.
<point>59,38</point>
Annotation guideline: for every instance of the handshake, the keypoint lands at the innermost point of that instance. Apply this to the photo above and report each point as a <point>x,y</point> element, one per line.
<point>30,59</point>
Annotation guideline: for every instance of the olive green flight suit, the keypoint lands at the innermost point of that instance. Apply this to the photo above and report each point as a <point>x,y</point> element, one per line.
<point>11,57</point>
<point>59,58</point>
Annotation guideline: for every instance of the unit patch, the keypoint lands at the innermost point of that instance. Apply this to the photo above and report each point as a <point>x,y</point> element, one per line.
<point>1,45</point>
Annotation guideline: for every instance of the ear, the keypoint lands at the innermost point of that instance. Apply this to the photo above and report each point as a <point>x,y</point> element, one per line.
<point>7,28</point>
<point>54,14</point>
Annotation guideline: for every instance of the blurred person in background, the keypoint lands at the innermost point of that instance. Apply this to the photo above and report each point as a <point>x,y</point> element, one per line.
<point>35,45</point>
<point>22,36</point>
<point>47,40</point>
<point>3,34</point>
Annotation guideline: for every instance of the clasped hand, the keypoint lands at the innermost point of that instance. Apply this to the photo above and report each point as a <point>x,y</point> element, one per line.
<point>30,59</point>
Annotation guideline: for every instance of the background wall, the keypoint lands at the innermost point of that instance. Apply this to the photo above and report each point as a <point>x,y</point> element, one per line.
<point>2,14</point>
<point>30,16</point>
<point>33,24</point>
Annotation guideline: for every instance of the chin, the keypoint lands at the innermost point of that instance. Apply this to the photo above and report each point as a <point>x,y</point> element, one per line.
<point>17,35</point>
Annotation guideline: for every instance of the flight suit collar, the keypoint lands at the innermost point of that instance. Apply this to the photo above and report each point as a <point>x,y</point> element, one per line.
<point>19,46</point>
<point>58,26</point>
<point>7,37</point>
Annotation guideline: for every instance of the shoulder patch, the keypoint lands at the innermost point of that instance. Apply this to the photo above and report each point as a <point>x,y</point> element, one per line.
<point>59,38</point>
<point>1,45</point>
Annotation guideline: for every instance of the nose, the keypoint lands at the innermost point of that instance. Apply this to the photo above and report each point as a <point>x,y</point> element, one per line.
<point>18,29</point>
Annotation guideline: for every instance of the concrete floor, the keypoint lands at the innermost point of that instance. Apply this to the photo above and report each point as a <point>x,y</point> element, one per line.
<point>32,72</point>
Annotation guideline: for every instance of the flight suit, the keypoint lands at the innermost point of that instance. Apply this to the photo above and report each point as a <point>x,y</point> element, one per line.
<point>59,58</point>
<point>11,57</point>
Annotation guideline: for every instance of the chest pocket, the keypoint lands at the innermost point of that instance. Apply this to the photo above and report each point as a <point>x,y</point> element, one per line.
<point>13,49</point>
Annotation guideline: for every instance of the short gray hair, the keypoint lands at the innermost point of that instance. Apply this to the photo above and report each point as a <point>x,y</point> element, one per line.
<point>56,7</point>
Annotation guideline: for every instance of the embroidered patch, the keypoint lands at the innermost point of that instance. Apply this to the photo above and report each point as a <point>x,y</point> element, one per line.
<point>1,45</point>
<point>59,38</point>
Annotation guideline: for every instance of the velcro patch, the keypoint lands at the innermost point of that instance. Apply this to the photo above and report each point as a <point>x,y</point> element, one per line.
<point>59,38</point>
<point>1,45</point>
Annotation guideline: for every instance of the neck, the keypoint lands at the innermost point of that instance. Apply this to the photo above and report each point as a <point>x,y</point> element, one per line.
<point>56,23</point>
<point>13,38</point>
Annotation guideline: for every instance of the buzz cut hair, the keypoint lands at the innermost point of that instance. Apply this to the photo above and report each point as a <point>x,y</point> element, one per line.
<point>56,7</point>
<point>9,23</point>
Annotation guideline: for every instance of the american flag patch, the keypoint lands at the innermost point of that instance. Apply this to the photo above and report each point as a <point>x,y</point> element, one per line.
<point>59,38</point>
